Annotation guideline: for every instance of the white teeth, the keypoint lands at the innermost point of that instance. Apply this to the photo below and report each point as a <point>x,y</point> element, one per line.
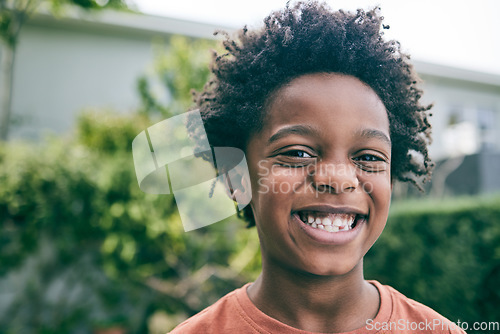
<point>331,223</point>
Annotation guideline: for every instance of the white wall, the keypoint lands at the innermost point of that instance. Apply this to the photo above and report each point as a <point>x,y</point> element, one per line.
<point>469,99</point>
<point>59,71</point>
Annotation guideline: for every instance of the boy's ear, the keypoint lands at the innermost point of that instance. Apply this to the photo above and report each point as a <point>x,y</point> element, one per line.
<point>232,166</point>
<point>238,188</point>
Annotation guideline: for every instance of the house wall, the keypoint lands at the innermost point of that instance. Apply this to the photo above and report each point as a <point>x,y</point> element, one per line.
<point>59,72</point>
<point>465,117</point>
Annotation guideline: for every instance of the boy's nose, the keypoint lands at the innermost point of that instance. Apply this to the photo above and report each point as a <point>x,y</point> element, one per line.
<point>335,178</point>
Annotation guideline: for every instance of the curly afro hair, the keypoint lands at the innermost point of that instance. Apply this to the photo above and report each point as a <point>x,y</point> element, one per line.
<point>310,38</point>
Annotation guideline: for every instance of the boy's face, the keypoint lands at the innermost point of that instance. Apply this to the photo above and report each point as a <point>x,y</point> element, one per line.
<point>320,173</point>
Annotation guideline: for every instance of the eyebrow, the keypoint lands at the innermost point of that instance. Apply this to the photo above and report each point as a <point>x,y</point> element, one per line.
<point>293,129</point>
<point>374,133</point>
<point>308,130</point>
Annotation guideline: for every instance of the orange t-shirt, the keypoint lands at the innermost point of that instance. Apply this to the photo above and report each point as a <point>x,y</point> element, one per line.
<point>235,313</point>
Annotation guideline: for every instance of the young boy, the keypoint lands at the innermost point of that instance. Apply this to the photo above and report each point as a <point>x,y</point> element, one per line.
<point>328,115</point>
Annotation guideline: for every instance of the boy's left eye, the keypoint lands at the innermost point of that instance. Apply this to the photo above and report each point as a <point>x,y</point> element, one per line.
<point>368,158</point>
<point>371,162</point>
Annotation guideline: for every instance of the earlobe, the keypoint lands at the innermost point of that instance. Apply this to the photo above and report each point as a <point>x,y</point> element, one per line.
<point>244,195</point>
<point>232,166</point>
<point>239,189</point>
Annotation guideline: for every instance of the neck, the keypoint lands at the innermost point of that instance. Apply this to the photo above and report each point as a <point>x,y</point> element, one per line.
<point>315,303</point>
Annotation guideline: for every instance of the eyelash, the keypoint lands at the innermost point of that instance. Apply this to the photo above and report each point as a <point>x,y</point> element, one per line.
<point>294,158</point>
<point>289,154</point>
<point>372,156</point>
<point>371,163</point>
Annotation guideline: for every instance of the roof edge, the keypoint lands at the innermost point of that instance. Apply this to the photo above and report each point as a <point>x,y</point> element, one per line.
<point>449,72</point>
<point>127,21</point>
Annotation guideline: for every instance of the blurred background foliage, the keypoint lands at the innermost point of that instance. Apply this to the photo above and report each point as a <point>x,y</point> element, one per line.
<point>84,250</point>
<point>177,71</point>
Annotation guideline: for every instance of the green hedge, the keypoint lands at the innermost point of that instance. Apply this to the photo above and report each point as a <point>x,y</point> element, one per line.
<point>445,254</point>
<point>82,247</point>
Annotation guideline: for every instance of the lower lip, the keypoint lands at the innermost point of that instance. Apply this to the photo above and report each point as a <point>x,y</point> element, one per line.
<point>330,238</point>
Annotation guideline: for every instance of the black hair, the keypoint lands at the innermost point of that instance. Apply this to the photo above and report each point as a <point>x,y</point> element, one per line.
<point>311,38</point>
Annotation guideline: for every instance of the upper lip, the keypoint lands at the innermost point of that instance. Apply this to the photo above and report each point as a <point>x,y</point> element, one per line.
<point>333,209</point>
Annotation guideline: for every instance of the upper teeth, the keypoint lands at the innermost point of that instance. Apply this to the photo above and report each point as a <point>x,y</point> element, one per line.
<point>331,222</point>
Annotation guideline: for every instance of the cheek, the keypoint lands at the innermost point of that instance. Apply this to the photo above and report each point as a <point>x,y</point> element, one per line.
<point>379,188</point>
<point>376,184</point>
<point>273,190</point>
<point>276,181</point>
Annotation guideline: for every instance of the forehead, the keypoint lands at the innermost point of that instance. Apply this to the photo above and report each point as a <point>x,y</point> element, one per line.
<point>329,96</point>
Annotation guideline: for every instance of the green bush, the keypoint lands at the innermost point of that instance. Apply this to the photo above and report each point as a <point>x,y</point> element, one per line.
<point>179,67</point>
<point>445,254</point>
<point>108,132</point>
<point>83,248</point>
<point>73,220</point>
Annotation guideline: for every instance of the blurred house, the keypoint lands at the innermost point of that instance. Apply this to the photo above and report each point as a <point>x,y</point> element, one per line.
<point>466,113</point>
<point>78,61</point>
<point>466,129</point>
<point>82,60</point>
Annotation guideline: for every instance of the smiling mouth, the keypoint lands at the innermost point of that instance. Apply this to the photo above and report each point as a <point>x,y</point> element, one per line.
<point>330,222</point>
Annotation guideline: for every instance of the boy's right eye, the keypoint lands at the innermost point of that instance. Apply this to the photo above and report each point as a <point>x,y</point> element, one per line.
<point>297,154</point>
<point>294,158</point>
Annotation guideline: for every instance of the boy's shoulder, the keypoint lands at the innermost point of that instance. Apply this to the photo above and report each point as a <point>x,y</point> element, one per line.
<point>407,315</point>
<point>221,317</point>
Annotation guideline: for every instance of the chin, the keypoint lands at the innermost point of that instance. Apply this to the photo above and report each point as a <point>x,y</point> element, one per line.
<point>330,268</point>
